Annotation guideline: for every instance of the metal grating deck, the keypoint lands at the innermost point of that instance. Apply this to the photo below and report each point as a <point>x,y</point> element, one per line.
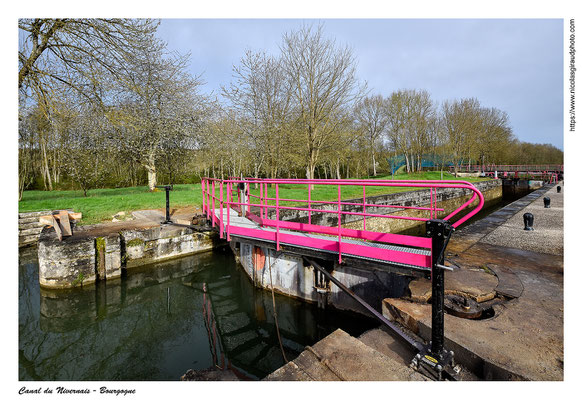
<point>243,222</point>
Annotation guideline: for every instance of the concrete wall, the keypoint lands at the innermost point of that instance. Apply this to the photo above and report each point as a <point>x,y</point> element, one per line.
<point>293,277</point>
<point>83,258</point>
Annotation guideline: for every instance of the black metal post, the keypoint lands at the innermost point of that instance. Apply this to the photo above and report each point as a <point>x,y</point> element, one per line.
<point>167,188</point>
<point>440,231</point>
<point>167,205</point>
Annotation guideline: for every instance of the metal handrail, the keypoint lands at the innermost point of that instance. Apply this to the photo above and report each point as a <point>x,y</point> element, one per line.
<point>210,186</point>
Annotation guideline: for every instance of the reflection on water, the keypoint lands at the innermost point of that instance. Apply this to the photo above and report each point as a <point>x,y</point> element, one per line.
<point>159,321</point>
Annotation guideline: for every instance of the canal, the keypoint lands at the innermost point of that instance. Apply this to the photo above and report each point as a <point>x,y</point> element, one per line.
<point>158,321</point>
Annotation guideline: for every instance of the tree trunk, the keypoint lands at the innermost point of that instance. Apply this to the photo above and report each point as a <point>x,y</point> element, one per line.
<point>150,167</point>
<point>310,171</point>
<point>374,162</point>
<point>47,172</point>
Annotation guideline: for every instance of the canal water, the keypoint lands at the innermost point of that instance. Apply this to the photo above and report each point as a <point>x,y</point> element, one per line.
<point>155,323</point>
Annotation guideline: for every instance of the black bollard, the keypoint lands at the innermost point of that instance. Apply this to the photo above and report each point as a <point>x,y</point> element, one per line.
<point>546,202</point>
<point>528,220</point>
<point>559,189</point>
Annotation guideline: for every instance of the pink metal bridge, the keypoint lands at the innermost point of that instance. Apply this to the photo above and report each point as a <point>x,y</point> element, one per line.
<point>256,214</point>
<point>545,172</point>
<point>547,168</point>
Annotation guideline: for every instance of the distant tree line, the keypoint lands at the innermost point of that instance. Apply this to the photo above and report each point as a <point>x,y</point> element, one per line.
<point>103,103</point>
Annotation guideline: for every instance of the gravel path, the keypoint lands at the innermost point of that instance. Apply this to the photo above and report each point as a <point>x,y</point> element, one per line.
<point>548,234</point>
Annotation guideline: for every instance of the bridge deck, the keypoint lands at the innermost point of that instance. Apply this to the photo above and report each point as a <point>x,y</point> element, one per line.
<point>376,252</point>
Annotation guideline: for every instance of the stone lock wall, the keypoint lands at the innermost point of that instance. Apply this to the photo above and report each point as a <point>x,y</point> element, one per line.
<point>29,228</point>
<point>67,263</point>
<point>84,258</point>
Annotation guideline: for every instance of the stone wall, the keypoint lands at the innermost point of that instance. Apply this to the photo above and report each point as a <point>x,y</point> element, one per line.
<point>29,228</point>
<point>67,263</point>
<point>84,258</point>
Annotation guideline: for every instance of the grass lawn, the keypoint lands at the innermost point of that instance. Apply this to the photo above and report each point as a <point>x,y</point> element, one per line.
<point>102,204</point>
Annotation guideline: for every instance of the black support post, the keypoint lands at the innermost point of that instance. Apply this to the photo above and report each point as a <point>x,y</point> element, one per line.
<point>434,360</point>
<point>440,232</point>
<point>167,189</point>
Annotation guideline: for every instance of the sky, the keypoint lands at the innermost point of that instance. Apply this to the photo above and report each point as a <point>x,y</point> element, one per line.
<point>515,65</point>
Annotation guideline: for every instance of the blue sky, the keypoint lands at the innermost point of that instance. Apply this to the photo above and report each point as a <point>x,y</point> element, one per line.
<point>515,65</point>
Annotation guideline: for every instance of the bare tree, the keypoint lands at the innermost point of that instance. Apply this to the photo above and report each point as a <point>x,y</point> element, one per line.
<point>399,116</point>
<point>67,49</point>
<point>324,86</point>
<point>159,107</point>
<point>261,97</point>
<point>493,135</point>
<point>372,118</point>
<point>461,124</point>
<point>58,57</point>
<point>409,116</point>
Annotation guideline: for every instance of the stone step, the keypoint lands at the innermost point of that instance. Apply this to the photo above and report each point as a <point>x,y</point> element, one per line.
<point>24,240</point>
<point>33,214</point>
<point>31,231</point>
<point>341,357</point>
<point>382,341</point>
<point>27,220</point>
<point>30,225</point>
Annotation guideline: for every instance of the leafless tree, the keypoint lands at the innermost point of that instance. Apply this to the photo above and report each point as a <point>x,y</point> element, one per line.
<point>372,118</point>
<point>67,50</point>
<point>158,107</point>
<point>324,87</point>
<point>493,135</point>
<point>461,124</point>
<point>261,97</point>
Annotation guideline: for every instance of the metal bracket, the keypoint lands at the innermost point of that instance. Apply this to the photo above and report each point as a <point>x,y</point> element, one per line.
<point>436,368</point>
<point>445,267</point>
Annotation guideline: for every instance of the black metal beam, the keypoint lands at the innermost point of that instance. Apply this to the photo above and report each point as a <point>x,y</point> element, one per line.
<point>419,346</point>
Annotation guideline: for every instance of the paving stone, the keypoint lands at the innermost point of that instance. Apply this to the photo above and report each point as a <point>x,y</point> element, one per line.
<point>340,356</point>
<point>476,284</point>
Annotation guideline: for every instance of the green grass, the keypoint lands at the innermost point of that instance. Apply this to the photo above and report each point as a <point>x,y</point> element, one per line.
<point>102,204</point>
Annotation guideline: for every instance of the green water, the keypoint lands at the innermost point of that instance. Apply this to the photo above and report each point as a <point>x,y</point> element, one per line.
<point>157,322</point>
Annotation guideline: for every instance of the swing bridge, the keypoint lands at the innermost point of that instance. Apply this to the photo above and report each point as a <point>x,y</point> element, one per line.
<point>253,210</point>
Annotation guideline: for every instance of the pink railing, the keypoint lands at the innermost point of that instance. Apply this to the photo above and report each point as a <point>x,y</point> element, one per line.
<point>218,196</point>
<point>508,168</point>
